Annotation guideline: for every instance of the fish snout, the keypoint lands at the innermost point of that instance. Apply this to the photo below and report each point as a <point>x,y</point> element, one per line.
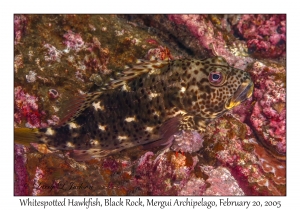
<point>243,92</point>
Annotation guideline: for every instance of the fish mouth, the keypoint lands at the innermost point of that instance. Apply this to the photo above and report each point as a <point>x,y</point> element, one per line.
<point>244,92</point>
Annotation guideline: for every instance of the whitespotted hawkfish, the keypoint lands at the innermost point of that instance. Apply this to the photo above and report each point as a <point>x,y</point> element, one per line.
<point>149,104</point>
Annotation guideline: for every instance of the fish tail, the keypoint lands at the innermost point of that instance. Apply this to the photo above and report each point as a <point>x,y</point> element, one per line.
<point>25,136</point>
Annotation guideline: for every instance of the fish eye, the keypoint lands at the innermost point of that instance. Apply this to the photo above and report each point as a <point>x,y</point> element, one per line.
<point>216,78</point>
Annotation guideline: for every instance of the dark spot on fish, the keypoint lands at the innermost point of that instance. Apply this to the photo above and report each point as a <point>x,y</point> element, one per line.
<point>43,130</point>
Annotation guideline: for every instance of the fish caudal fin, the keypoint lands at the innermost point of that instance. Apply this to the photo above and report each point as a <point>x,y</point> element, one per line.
<point>25,136</point>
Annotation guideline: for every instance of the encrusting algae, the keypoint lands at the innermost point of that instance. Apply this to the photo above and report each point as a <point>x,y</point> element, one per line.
<point>152,103</point>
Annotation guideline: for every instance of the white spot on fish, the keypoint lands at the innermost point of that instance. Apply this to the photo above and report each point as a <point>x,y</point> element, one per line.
<point>153,95</point>
<point>125,88</point>
<point>98,106</point>
<point>182,89</point>
<point>156,113</point>
<point>130,119</point>
<point>73,125</point>
<point>56,109</point>
<point>149,129</point>
<point>101,127</point>
<point>70,144</point>
<point>122,137</point>
<point>180,112</point>
<point>94,141</point>
<point>50,132</point>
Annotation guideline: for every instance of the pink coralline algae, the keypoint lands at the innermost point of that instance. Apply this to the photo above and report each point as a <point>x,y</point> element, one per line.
<point>26,107</point>
<point>31,77</point>
<point>93,61</point>
<point>194,186</point>
<point>53,54</point>
<point>37,180</point>
<point>243,112</point>
<point>233,145</point>
<point>164,175</point>
<point>73,41</point>
<point>160,52</point>
<point>18,62</point>
<point>53,121</point>
<point>222,182</point>
<point>21,175</point>
<point>265,34</point>
<point>189,141</point>
<point>269,113</point>
<point>96,57</point>
<point>53,94</point>
<point>20,22</point>
<point>210,38</point>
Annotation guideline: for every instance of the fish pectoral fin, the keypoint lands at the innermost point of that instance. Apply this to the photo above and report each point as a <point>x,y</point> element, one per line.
<point>157,143</point>
<point>169,128</point>
<point>187,122</point>
<point>167,131</point>
<point>80,155</point>
<point>201,124</point>
<point>75,106</point>
<point>25,136</point>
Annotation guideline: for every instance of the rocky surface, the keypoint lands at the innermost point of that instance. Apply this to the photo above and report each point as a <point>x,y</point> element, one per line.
<point>59,56</point>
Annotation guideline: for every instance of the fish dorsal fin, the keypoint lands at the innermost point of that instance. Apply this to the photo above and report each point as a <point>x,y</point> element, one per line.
<point>140,68</point>
<point>75,106</point>
<point>218,60</point>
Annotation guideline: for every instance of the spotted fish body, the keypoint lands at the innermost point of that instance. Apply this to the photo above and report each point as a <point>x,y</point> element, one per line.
<point>150,102</point>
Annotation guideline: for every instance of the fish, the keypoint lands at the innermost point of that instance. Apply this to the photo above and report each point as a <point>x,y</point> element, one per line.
<point>146,105</point>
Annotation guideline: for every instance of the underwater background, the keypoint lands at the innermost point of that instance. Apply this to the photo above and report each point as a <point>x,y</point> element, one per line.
<point>59,56</point>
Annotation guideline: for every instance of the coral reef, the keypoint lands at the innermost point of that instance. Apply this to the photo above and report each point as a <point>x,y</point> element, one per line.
<point>20,22</point>
<point>265,34</point>
<point>190,141</point>
<point>73,41</point>
<point>241,153</point>
<point>212,39</point>
<point>21,175</point>
<point>268,117</point>
<point>221,181</point>
<point>233,144</point>
<point>53,94</point>
<point>26,107</point>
